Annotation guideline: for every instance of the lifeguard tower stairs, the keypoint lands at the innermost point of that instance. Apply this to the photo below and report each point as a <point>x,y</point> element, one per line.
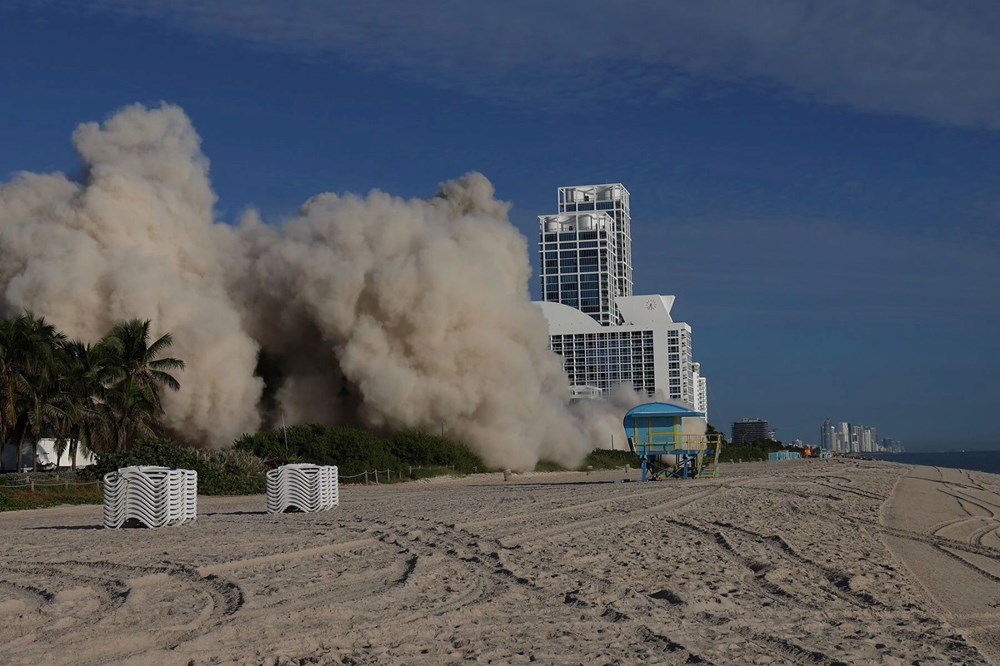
<point>656,429</point>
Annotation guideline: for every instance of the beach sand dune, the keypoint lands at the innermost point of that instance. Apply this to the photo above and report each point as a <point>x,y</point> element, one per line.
<point>771,563</point>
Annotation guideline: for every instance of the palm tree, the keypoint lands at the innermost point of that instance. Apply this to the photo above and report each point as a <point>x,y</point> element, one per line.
<point>134,373</point>
<point>103,396</point>
<point>81,391</point>
<point>133,358</point>
<point>129,415</point>
<point>10,380</point>
<point>39,380</point>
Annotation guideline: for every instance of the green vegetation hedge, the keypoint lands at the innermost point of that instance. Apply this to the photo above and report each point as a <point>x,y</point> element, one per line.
<point>757,450</point>
<point>354,450</point>
<point>240,470</point>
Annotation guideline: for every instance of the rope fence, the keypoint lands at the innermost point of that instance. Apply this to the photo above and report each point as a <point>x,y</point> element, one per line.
<point>379,475</point>
<point>64,483</point>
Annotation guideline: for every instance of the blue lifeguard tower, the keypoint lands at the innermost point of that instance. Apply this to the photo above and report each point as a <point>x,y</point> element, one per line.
<point>655,429</point>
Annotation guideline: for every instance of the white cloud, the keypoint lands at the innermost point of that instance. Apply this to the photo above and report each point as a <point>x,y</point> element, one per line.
<point>922,59</point>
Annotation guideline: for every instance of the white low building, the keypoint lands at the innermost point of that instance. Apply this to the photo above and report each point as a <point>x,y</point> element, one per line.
<point>650,350</point>
<point>47,456</point>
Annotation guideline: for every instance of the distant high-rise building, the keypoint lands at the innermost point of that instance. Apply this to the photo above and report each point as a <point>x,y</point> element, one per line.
<point>856,437</point>
<point>826,436</point>
<point>892,445</point>
<point>843,435</point>
<point>747,431</point>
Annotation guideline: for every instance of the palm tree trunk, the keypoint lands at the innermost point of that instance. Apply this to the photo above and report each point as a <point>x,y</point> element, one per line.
<point>19,429</point>
<point>60,447</point>
<point>84,431</point>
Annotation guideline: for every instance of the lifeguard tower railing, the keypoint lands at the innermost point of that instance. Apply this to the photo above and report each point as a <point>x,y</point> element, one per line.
<point>656,429</point>
<point>697,455</point>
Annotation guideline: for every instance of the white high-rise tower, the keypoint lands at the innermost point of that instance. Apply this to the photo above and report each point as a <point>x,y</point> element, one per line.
<point>586,250</point>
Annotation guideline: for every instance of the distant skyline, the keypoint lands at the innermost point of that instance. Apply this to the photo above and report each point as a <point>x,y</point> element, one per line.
<point>817,183</point>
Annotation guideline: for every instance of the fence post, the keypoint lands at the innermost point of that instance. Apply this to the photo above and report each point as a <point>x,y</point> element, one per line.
<point>366,477</point>
<point>32,485</point>
<point>376,476</point>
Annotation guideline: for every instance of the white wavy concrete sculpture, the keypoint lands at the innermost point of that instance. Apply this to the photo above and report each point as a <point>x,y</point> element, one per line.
<point>152,496</point>
<point>303,487</point>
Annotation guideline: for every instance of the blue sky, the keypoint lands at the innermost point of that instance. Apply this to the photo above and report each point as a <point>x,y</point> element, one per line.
<point>818,183</point>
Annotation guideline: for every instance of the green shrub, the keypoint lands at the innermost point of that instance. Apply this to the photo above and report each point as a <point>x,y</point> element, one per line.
<point>418,448</point>
<point>598,459</point>
<point>219,472</point>
<point>608,459</point>
<point>549,466</point>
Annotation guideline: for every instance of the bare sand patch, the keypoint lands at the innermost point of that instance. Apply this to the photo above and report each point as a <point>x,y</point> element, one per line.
<point>770,563</point>
<point>944,528</point>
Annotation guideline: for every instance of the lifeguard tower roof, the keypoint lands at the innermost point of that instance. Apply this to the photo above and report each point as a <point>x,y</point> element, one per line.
<point>653,409</point>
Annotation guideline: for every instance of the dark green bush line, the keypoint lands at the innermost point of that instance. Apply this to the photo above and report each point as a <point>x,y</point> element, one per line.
<point>608,459</point>
<point>758,450</point>
<point>218,474</point>
<point>355,451</point>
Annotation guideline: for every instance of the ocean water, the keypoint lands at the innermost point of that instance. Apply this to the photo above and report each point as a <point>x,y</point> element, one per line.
<point>980,461</point>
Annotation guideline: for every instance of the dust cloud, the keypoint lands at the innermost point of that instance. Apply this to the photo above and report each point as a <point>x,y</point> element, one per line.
<point>388,312</point>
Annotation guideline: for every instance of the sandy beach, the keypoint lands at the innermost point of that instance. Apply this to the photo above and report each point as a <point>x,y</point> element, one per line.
<point>809,562</point>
